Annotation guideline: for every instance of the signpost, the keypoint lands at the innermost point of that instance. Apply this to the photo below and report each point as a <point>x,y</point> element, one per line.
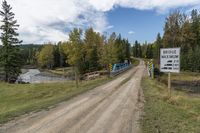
<point>170,62</point>
<point>110,67</point>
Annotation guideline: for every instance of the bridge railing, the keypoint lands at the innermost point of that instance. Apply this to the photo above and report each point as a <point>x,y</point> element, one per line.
<point>119,68</point>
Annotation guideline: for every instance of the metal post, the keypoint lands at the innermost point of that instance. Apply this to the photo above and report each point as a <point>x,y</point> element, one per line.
<point>169,84</point>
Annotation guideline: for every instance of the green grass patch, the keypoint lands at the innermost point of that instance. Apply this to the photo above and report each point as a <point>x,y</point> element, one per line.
<point>62,71</point>
<point>135,61</point>
<point>18,99</point>
<point>178,114</point>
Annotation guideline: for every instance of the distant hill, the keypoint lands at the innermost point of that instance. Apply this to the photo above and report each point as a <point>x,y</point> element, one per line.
<point>29,46</point>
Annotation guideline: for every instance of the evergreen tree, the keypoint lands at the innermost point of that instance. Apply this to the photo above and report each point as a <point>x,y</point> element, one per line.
<point>136,52</point>
<point>100,42</point>
<point>10,57</point>
<point>149,52</point>
<point>191,60</point>
<point>139,51</point>
<point>56,54</point>
<point>127,51</point>
<point>158,46</point>
<point>63,57</point>
<point>195,26</point>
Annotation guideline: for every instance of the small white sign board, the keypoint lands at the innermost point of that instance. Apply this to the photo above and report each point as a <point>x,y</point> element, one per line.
<point>170,60</point>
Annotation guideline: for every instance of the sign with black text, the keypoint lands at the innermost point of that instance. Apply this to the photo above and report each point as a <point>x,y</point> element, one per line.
<point>170,60</point>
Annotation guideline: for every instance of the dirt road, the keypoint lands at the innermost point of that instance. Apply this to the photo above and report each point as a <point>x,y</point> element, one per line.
<point>111,108</point>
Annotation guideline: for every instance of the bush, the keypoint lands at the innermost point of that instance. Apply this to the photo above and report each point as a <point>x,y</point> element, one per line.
<point>157,72</point>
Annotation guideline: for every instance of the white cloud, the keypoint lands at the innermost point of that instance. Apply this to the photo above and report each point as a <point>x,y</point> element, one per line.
<point>110,27</point>
<point>131,32</point>
<point>50,20</point>
<point>106,5</point>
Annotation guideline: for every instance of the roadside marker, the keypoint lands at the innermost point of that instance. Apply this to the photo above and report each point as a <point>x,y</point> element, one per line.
<point>110,67</point>
<point>170,63</point>
<point>151,68</point>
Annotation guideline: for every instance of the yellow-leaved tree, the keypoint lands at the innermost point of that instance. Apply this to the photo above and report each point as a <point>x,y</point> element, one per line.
<point>45,57</point>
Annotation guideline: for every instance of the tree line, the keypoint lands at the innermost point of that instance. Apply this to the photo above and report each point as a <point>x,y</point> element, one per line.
<point>89,52</point>
<point>86,52</point>
<point>180,30</point>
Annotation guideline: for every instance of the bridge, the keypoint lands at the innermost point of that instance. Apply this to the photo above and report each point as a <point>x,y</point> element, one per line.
<point>119,68</point>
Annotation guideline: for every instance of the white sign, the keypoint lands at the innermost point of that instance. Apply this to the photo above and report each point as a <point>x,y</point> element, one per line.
<point>170,60</point>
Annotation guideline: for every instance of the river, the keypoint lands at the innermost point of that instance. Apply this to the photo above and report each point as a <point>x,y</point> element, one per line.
<point>35,76</point>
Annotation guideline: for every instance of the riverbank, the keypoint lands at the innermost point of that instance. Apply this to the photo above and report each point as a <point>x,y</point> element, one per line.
<point>185,81</point>
<point>178,114</point>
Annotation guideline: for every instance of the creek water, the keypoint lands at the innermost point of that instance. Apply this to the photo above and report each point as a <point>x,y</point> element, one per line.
<point>35,76</point>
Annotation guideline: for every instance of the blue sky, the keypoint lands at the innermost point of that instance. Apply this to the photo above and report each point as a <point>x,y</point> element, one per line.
<point>51,20</point>
<point>136,24</point>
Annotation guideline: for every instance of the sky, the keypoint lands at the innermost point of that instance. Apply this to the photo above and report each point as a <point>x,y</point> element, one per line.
<point>51,20</point>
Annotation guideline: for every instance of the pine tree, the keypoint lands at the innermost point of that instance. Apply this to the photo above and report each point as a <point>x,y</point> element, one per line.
<point>127,51</point>
<point>158,46</point>
<point>140,50</point>
<point>195,18</point>
<point>10,59</point>
<point>136,49</point>
<point>56,54</point>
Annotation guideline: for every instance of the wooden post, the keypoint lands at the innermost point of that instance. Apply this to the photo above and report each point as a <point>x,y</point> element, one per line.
<point>152,71</point>
<point>169,84</point>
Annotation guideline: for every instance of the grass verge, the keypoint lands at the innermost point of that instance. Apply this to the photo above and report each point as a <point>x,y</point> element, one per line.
<point>178,114</point>
<point>135,62</point>
<point>183,76</point>
<point>62,71</point>
<point>18,99</point>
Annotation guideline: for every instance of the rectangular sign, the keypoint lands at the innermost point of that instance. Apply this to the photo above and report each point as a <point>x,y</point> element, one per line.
<point>170,60</point>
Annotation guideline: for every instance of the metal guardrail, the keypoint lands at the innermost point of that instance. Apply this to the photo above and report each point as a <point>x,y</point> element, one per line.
<point>119,68</point>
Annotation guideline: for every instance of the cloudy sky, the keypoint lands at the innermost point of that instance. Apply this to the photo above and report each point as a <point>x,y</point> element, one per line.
<point>51,20</point>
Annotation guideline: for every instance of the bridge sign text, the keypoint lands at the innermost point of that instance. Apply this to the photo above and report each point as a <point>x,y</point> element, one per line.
<point>170,60</point>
